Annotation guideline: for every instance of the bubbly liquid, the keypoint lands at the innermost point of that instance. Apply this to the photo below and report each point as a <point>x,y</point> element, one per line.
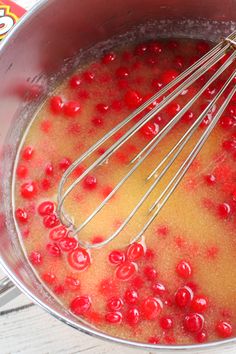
<point>197,225</point>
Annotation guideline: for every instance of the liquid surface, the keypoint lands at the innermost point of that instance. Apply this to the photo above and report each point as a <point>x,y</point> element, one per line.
<point>177,285</point>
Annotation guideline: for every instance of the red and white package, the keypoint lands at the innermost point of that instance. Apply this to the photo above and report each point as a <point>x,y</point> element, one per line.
<point>9,15</point>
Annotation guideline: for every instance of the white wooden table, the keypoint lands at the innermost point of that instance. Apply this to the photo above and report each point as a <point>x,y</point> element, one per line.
<point>27,329</point>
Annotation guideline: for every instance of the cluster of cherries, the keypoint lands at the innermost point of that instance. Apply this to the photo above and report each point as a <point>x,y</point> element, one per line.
<point>132,307</point>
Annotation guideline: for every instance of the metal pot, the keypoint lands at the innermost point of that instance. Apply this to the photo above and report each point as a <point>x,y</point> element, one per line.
<point>46,38</point>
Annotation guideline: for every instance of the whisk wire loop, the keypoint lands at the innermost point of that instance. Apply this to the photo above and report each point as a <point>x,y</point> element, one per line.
<point>173,90</point>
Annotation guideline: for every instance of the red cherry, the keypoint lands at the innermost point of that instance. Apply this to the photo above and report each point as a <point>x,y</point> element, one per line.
<point>141,49</point>
<point>46,208</point>
<point>224,329</point>
<point>155,47</point>
<point>202,336</point>
<point>90,182</point>
<point>28,153</point>
<point>28,190</point>
<point>125,270</point>
<point>71,283</point>
<point>131,296</point>
<point>79,259</point>
<point>53,249</point>
<point>193,322</point>
<point>154,340</point>
<point>151,308</point>
<point>21,171</point>
<point>229,145</point>
<point>49,169</point>
<point>168,76</point>
<point>135,251</point>
<point>210,92</point>
<point>113,317</point>
<point>56,104</point>
<point>199,303</point>
<point>188,116</point>
<point>75,81</point>
<point>137,282</point>
<point>80,305</point>
<point>172,44</point>
<point>97,121</point>
<point>21,215</point>
<point>36,258</point>
<point>226,122</point>
<point>172,109</point>
<point>166,322</point>
<point>115,304</point>
<point>64,164</point>
<point>150,273</point>
<point>184,269</point>
<point>58,233</point>
<point>108,58</point>
<point>122,72</point>
<point>178,62</point>
<point>116,257</point>
<point>132,316</point>
<point>132,99</point>
<point>150,129</point>
<point>158,289</point>
<point>59,289</point>
<point>49,278</point>
<point>67,243</point>
<point>183,296</point>
<point>224,210</point>
<point>210,179</point>
<point>88,76</point>
<point>102,108</point>
<point>51,221</point>
<point>231,109</point>
<point>71,109</point>
<point>45,184</point>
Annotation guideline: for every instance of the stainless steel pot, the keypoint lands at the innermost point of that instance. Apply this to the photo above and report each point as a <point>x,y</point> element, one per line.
<point>46,38</point>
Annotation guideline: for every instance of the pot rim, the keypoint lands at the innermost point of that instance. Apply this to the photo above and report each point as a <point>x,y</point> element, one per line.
<point>82,328</point>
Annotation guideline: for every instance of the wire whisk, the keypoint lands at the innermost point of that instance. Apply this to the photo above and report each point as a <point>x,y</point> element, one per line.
<point>167,94</point>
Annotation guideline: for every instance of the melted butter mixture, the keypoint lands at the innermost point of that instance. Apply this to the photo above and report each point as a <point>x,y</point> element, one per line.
<point>197,225</point>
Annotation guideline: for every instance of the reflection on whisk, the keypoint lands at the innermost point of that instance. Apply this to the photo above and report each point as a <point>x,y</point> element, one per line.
<point>169,92</point>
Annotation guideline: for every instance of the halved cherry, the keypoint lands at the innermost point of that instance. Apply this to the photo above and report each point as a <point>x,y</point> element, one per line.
<point>133,316</point>
<point>193,322</point>
<point>115,303</point>
<point>67,243</point>
<point>134,251</point>
<point>79,259</point>
<point>53,250</point>
<point>113,317</point>
<point>46,208</point>
<point>116,257</point>
<point>184,269</point>
<point>151,307</point>
<point>224,329</point>
<point>80,305</point>
<point>126,270</point>
<point>57,233</point>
